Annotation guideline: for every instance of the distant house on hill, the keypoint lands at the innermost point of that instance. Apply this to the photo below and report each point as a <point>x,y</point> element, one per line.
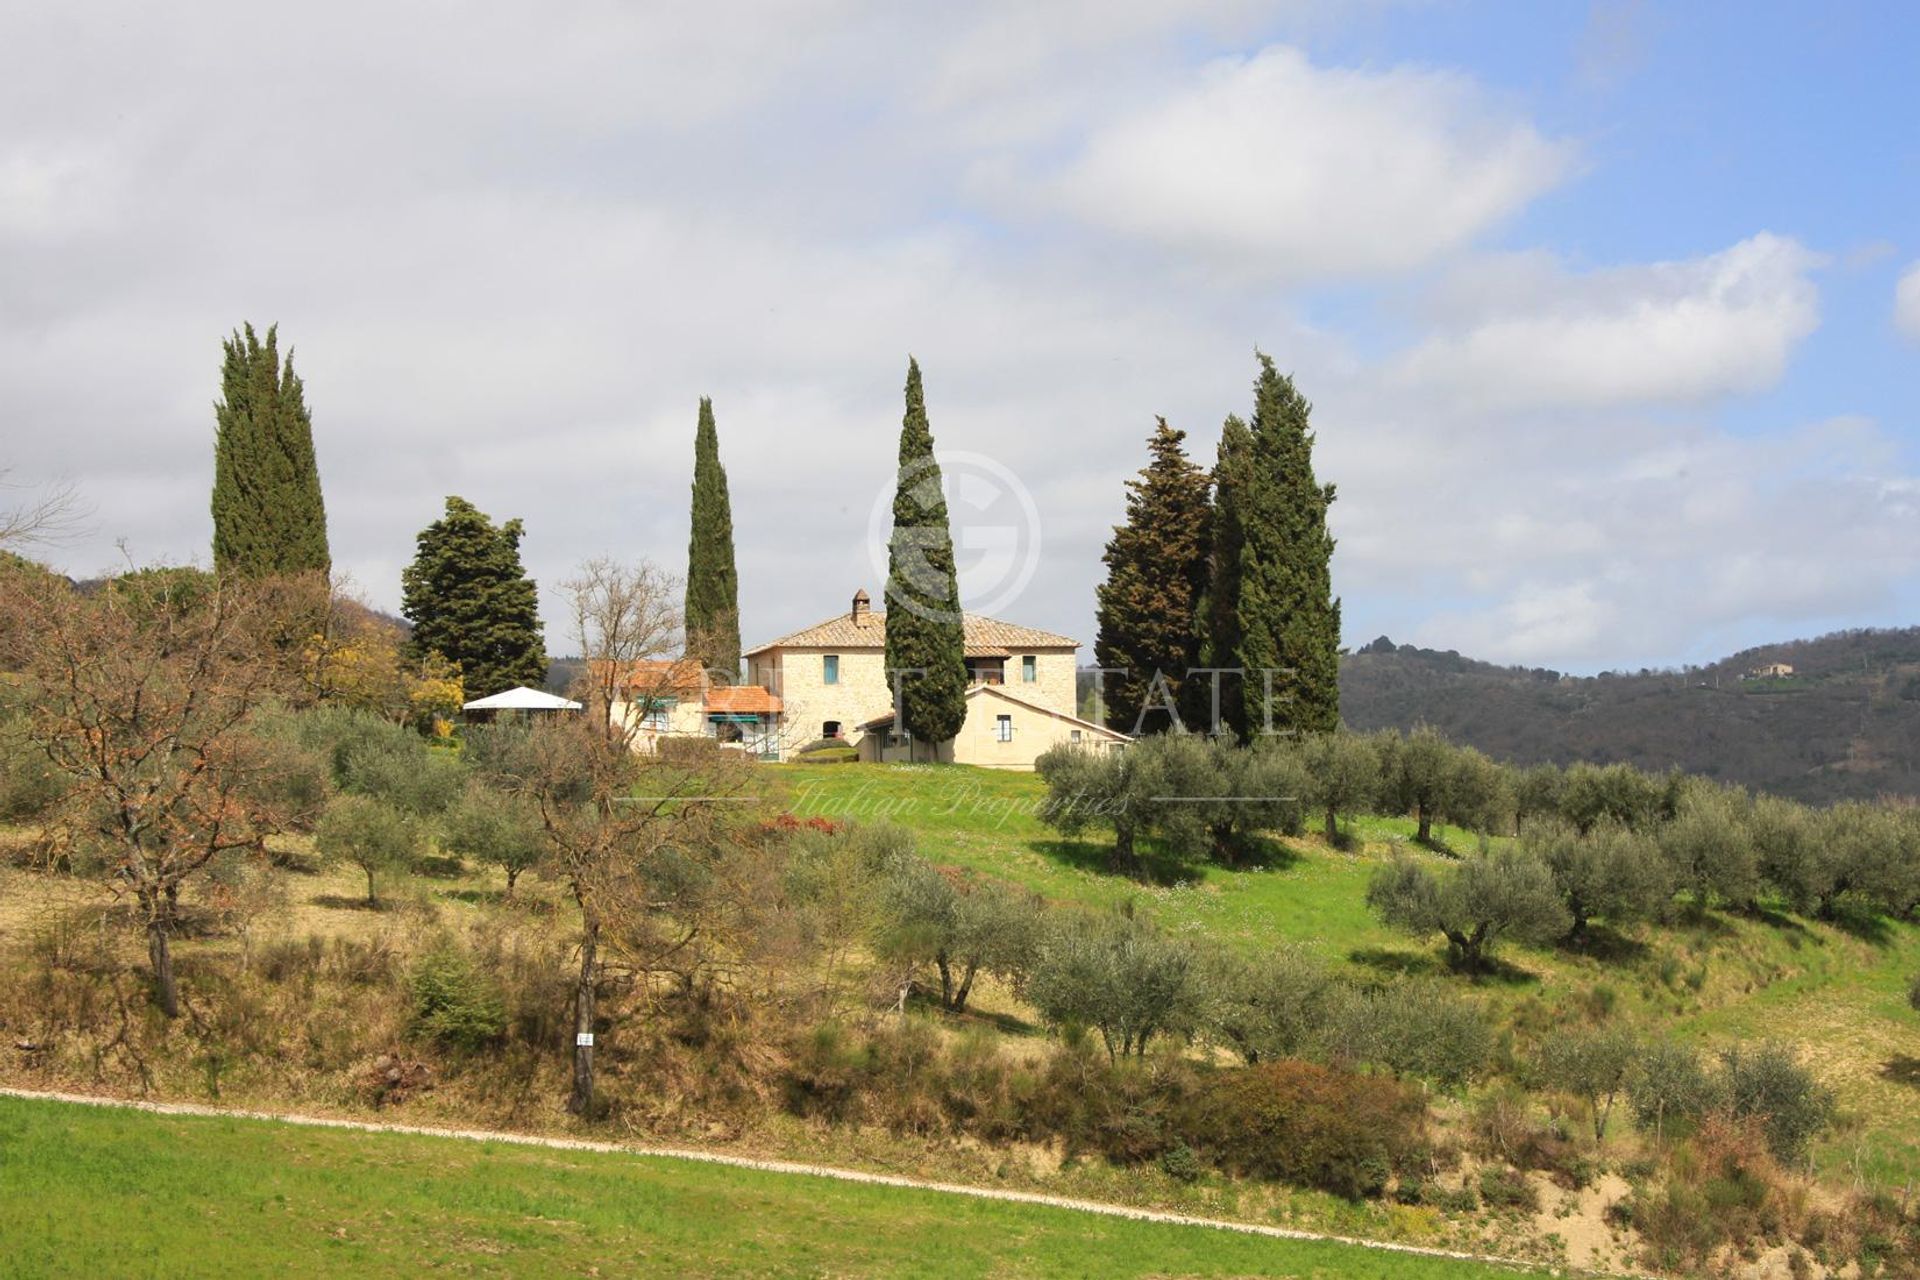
<point>829,681</point>
<point>1770,671</point>
<point>832,681</point>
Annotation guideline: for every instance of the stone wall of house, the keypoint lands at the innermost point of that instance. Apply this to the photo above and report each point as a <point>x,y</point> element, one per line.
<point>808,701</point>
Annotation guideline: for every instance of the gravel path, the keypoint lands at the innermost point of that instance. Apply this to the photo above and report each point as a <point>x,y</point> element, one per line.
<point>768,1166</point>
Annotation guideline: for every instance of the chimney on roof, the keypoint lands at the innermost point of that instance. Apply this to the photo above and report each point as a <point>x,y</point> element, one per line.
<point>861,610</point>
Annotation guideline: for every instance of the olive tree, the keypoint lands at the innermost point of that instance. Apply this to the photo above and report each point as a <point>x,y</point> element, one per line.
<point>1342,777</point>
<point>1670,1085</point>
<point>371,834</point>
<point>1119,976</point>
<point>1592,1063</point>
<point>496,828</point>
<point>1416,775</point>
<point>1416,1029</point>
<point>1767,1082</point>
<point>962,927</point>
<point>1274,1005</point>
<point>1610,871</point>
<point>624,834</point>
<point>1115,790</point>
<point>1487,897</point>
<point>1620,793</point>
<point>1706,845</point>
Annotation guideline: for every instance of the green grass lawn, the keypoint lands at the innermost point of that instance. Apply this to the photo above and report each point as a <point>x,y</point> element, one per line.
<point>1839,997</point>
<point>87,1192</point>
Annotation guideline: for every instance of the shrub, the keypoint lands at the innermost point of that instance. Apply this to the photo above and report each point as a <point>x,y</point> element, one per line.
<point>453,1002</point>
<point>29,784</point>
<point>1180,1163</point>
<point>1307,1124</point>
<point>1416,1029</point>
<point>1508,1189</point>
<point>688,750</point>
<point>1766,1083</point>
<point>827,751</point>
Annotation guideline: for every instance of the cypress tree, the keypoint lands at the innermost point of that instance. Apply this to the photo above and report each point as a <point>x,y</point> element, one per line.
<point>1217,615</point>
<point>1156,570</point>
<point>713,586</point>
<point>470,601</point>
<point>268,515</point>
<point>926,631</point>
<point>1286,615</point>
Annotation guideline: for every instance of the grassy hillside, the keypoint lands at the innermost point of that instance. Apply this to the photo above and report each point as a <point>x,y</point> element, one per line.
<point>1841,998</point>
<point>1845,725</point>
<point>86,1192</point>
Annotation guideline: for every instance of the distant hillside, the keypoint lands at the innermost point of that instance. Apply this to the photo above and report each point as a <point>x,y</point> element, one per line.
<point>1845,724</point>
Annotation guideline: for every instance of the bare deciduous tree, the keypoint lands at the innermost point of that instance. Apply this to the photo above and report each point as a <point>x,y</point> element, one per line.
<point>140,696</point>
<point>625,835</point>
<point>51,514</point>
<point>623,615</point>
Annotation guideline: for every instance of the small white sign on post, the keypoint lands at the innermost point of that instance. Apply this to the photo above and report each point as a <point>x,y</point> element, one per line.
<point>584,1039</point>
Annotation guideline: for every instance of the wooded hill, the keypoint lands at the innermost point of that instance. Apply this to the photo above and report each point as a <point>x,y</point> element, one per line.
<point>1844,725</point>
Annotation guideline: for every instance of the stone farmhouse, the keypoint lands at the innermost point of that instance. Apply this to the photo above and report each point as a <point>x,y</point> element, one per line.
<point>829,681</point>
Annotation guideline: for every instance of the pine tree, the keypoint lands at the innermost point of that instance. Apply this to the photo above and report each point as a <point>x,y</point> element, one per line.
<point>713,584</point>
<point>926,631</point>
<point>1156,570</point>
<point>1217,615</point>
<point>268,514</point>
<point>470,601</point>
<point>1286,615</point>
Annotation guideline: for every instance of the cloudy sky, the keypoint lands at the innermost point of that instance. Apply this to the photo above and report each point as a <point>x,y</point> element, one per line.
<point>1610,314</point>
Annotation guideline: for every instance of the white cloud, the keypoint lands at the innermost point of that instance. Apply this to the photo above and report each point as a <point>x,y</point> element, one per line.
<point>1274,164</point>
<point>1906,302</point>
<point>511,254</point>
<point>1531,335</point>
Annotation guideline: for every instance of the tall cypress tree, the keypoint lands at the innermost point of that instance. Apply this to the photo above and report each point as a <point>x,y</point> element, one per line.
<point>713,585</point>
<point>471,602</point>
<point>1287,617</point>
<point>1217,615</point>
<point>926,631</point>
<point>268,515</point>
<point>1156,570</point>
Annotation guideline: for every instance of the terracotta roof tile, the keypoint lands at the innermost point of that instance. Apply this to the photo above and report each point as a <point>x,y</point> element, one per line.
<point>986,637</point>
<point>742,700</point>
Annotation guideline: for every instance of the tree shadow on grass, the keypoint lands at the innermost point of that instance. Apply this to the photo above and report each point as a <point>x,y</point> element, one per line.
<point>522,902</point>
<point>1861,922</point>
<point>1264,853</point>
<point>1902,1069</point>
<point>1398,963</point>
<point>1605,944</point>
<point>1797,934</point>
<point>1151,867</point>
<point>348,902</point>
